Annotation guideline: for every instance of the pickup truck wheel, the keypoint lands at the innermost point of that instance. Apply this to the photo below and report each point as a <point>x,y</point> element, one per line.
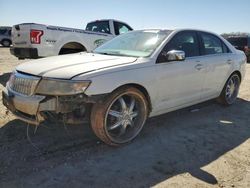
<point>120,118</point>
<point>230,91</point>
<point>6,43</point>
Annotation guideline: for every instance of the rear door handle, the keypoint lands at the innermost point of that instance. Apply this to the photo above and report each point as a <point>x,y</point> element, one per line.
<point>198,66</point>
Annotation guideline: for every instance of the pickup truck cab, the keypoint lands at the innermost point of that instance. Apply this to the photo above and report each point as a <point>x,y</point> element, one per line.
<point>32,40</point>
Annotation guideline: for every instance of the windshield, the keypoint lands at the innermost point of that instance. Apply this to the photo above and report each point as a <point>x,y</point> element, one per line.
<point>136,44</point>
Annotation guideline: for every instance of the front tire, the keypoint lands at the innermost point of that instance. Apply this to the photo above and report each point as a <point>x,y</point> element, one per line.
<point>230,91</point>
<point>120,118</point>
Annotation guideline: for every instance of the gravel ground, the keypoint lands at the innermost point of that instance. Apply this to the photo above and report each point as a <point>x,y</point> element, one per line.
<point>206,145</point>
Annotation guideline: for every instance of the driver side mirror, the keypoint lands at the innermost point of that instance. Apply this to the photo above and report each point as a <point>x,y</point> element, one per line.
<point>173,55</point>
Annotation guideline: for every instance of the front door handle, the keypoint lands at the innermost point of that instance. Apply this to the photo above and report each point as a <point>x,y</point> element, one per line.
<point>198,66</point>
<point>229,61</point>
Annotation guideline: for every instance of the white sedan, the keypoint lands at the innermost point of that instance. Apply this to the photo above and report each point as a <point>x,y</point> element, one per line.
<point>126,80</point>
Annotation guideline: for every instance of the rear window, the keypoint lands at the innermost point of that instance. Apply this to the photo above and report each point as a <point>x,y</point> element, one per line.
<point>3,31</point>
<point>99,26</point>
<point>238,41</point>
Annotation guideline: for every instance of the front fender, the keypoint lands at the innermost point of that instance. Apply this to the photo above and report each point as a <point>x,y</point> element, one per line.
<point>108,82</point>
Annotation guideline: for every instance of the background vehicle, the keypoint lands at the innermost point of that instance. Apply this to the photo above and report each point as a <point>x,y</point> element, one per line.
<point>241,43</point>
<point>32,40</point>
<point>133,76</point>
<point>5,36</point>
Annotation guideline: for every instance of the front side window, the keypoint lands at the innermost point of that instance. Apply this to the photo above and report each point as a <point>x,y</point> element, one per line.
<point>99,26</point>
<point>211,44</point>
<point>186,41</point>
<point>121,28</point>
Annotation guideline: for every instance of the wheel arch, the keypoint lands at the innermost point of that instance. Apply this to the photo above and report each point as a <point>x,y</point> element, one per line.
<point>72,45</point>
<point>141,89</point>
<point>238,73</point>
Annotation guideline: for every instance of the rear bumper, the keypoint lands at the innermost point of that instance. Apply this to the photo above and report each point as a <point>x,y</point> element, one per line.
<point>22,53</point>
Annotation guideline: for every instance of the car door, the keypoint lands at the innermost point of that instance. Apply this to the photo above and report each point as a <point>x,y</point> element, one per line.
<point>218,61</point>
<point>180,82</point>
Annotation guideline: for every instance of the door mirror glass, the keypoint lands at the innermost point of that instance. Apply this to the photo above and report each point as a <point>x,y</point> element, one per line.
<point>173,55</point>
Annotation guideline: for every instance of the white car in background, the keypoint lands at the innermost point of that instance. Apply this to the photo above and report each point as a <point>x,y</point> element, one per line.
<point>126,80</point>
<point>32,40</point>
<point>5,36</point>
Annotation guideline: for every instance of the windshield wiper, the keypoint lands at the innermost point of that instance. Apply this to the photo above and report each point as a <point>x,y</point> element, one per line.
<point>103,53</point>
<point>115,53</point>
<point>110,53</point>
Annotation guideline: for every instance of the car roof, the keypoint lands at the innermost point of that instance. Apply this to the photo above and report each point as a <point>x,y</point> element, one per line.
<point>177,30</point>
<point>107,20</point>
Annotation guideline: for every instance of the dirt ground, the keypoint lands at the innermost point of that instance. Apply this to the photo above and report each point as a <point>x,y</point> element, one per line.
<point>206,145</point>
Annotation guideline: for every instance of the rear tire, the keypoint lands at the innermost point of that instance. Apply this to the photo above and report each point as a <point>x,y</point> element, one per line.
<point>120,117</point>
<point>230,91</point>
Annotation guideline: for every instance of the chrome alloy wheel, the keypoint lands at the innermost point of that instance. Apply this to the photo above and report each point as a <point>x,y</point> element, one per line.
<point>125,118</point>
<point>232,89</point>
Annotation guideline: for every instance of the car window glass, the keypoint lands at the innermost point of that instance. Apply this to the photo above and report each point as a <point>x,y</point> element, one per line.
<point>121,28</point>
<point>211,44</point>
<point>186,41</point>
<point>2,31</point>
<point>99,26</point>
<point>9,32</point>
<point>225,48</point>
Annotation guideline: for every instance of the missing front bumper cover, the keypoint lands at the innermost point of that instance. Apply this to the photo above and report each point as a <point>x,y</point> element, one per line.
<point>33,109</point>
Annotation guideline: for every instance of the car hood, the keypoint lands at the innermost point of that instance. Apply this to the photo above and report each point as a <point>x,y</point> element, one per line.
<point>68,66</point>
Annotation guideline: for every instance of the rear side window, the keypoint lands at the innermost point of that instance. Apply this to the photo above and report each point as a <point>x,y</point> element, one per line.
<point>121,28</point>
<point>212,44</point>
<point>99,26</point>
<point>186,41</point>
<point>225,48</point>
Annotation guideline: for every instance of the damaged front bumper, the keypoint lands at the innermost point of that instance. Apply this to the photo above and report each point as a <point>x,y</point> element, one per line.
<point>34,109</point>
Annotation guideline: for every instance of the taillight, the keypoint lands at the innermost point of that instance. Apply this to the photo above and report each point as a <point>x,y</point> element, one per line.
<point>35,36</point>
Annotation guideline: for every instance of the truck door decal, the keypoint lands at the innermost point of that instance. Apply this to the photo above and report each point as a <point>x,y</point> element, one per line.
<point>99,42</point>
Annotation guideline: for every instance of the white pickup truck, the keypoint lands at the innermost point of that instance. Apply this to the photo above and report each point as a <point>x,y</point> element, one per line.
<point>32,40</point>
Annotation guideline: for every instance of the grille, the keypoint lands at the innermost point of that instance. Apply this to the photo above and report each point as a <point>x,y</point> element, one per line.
<point>22,83</point>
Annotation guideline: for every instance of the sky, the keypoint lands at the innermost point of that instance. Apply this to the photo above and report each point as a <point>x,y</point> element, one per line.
<point>220,16</point>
